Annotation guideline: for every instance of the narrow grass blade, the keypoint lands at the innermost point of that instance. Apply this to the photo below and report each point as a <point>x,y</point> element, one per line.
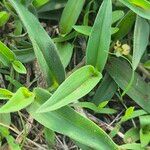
<point>77,85</point>
<point>99,41</point>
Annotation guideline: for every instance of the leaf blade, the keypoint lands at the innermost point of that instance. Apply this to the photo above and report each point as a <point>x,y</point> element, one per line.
<point>72,88</point>
<point>99,41</point>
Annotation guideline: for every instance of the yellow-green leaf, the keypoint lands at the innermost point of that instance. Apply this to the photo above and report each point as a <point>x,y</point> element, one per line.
<point>73,88</point>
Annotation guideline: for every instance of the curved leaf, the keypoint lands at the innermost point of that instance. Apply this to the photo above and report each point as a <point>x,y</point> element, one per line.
<point>69,122</point>
<point>21,99</point>
<point>5,94</point>
<point>140,7</point>
<point>44,48</point>
<point>73,88</point>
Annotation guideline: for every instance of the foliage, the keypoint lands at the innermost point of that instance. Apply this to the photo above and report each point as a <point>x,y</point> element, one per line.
<point>79,69</point>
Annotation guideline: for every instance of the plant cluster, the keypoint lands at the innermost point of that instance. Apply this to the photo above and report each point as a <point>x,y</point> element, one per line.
<point>74,74</point>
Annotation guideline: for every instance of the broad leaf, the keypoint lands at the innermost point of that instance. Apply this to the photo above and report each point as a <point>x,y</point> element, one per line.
<point>121,72</point>
<point>67,121</point>
<point>39,3</point>
<point>44,48</point>
<point>6,55</point>
<point>77,85</point>
<point>99,41</point>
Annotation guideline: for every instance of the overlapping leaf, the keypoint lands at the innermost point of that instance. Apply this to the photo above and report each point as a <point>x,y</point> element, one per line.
<point>44,48</point>
<point>67,121</point>
<point>73,88</point>
<point>141,7</point>
<point>139,90</point>
<point>21,99</point>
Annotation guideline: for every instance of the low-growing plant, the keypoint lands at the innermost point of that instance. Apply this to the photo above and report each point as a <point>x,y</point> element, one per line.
<point>75,68</point>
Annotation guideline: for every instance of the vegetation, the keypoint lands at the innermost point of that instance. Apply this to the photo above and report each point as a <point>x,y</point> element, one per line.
<point>74,74</point>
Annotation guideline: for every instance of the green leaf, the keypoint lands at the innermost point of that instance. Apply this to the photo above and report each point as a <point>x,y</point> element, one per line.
<point>5,94</point>
<point>70,15</point>
<point>125,25</point>
<point>68,122</point>
<point>132,146</point>
<point>39,3</point>
<point>6,55</point>
<point>44,48</point>
<point>105,91</point>
<point>96,109</point>
<point>86,30</point>
<point>77,85</point>
<point>141,7</point>
<point>99,41</point>
<point>12,143</point>
<point>19,67</point>
<point>132,135</point>
<point>21,99</point>
<point>65,52</point>
<point>128,114</point>
<point>50,137</point>
<point>121,72</point>
<point>145,130</point>
<point>4,16</point>
<point>25,55</point>
<point>117,15</point>
<point>141,40</point>
<point>53,5</point>
<point>147,64</point>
